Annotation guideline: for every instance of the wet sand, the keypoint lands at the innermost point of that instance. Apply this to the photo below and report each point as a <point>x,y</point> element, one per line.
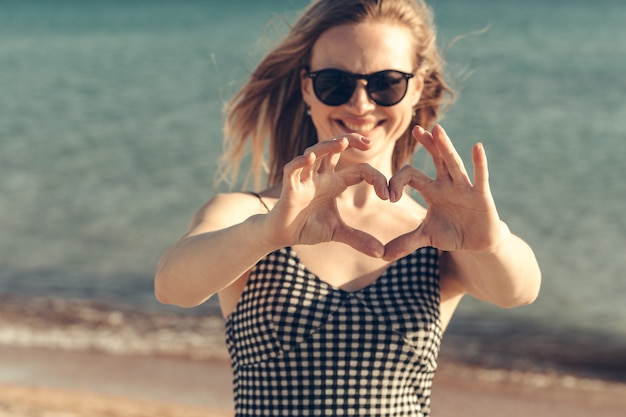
<point>55,383</point>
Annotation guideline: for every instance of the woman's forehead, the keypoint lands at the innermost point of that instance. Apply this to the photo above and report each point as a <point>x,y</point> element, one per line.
<point>364,47</point>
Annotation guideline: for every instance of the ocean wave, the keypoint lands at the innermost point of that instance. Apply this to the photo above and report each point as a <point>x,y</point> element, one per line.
<point>75,324</point>
<point>515,351</point>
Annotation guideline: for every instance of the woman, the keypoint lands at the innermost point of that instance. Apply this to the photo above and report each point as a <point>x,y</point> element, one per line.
<point>336,286</point>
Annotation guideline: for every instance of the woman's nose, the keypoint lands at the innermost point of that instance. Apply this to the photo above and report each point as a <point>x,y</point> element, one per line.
<point>360,99</point>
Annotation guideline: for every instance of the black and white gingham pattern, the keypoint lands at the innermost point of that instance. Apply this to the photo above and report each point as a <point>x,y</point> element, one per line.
<point>300,347</point>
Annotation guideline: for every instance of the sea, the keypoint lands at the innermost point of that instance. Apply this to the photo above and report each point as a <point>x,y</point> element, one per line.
<point>111,127</point>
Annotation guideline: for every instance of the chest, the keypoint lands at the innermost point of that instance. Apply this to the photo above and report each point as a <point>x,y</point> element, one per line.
<point>285,307</point>
<point>341,266</point>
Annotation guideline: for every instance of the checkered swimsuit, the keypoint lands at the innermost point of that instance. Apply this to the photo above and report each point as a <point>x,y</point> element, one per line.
<point>301,347</point>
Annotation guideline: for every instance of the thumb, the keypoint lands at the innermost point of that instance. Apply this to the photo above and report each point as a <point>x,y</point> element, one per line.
<point>359,240</point>
<point>405,244</point>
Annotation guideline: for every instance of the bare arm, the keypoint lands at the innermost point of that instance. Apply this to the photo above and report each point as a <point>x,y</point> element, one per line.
<point>229,235</point>
<point>224,241</point>
<point>507,275</point>
<point>480,252</point>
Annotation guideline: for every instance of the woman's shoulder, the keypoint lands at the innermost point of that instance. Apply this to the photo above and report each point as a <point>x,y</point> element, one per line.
<point>227,209</point>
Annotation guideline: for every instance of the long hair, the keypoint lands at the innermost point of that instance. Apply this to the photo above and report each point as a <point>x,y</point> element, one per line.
<point>270,106</point>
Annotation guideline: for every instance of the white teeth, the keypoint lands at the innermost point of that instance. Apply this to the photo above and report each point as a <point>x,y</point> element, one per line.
<point>360,128</point>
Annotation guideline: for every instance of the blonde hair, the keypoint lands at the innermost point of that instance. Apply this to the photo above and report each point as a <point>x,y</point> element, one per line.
<point>270,104</point>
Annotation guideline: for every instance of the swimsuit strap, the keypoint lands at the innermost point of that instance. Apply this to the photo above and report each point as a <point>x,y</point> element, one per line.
<point>261,200</point>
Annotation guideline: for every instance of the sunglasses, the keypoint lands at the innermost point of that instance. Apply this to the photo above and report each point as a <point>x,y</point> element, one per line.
<point>334,87</point>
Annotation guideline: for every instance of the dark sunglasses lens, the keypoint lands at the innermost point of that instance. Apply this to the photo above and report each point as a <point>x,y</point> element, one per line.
<point>333,87</point>
<point>387,88</point>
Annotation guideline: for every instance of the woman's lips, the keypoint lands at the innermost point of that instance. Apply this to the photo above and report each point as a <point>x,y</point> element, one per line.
<point>359,127</point>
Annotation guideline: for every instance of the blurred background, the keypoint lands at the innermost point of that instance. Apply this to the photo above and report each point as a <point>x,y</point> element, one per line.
<point>111,126</point>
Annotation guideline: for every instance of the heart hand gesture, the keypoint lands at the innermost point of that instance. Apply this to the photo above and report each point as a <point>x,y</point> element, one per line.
<point>306,212</point>
<point>460,215</point>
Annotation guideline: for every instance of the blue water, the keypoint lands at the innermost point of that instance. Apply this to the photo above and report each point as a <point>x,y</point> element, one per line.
<point>111,125</point>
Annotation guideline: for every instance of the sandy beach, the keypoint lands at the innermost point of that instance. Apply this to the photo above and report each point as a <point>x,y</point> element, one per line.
<point>77,358</point>
<point>36,382</point>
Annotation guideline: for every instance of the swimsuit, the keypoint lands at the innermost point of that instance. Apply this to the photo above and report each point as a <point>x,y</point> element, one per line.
<point>301,347</point>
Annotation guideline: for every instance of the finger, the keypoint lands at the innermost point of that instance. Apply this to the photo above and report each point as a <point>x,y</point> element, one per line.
<point>364,172</point>
<point>359,240</point>
<point>354,141</point>
<point>328,152</point>
<point>320,155</point>
<point>405,244</point>
<point>481,170</point>
<point>357,141</point>
<point>426,139</point>
<point>407,175</point>
<point>298,169</point>
<point>338,144</point>
<point>309,170</point>
<point>331,161</point>
<point>450,156</point>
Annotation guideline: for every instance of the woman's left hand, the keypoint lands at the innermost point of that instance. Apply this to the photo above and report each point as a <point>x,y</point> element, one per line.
<point>460,215</point>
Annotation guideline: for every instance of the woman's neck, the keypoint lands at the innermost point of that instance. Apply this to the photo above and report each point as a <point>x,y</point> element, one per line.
<point>358,196</point>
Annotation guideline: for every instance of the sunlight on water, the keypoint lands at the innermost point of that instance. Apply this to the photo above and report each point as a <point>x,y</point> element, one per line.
<point>111,127</point>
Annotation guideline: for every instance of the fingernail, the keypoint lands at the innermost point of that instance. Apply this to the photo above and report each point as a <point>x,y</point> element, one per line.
<point>365,140</point>
<point>392,196</point>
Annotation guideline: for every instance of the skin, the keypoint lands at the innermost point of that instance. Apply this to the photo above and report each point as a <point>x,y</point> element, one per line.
<point>371,47</point>
<point>343,211</point>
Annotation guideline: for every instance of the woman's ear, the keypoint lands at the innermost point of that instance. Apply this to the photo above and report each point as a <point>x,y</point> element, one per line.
<point>306,87</point>
<point>418,86</point>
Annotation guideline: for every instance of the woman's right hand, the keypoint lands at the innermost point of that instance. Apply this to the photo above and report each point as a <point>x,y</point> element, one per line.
<point>306,212</point>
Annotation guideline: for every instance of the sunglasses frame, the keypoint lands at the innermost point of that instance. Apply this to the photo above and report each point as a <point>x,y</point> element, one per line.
<point>355,77</point>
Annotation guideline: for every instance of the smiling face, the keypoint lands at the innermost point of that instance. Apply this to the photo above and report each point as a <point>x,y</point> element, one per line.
<point>364,48</point>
